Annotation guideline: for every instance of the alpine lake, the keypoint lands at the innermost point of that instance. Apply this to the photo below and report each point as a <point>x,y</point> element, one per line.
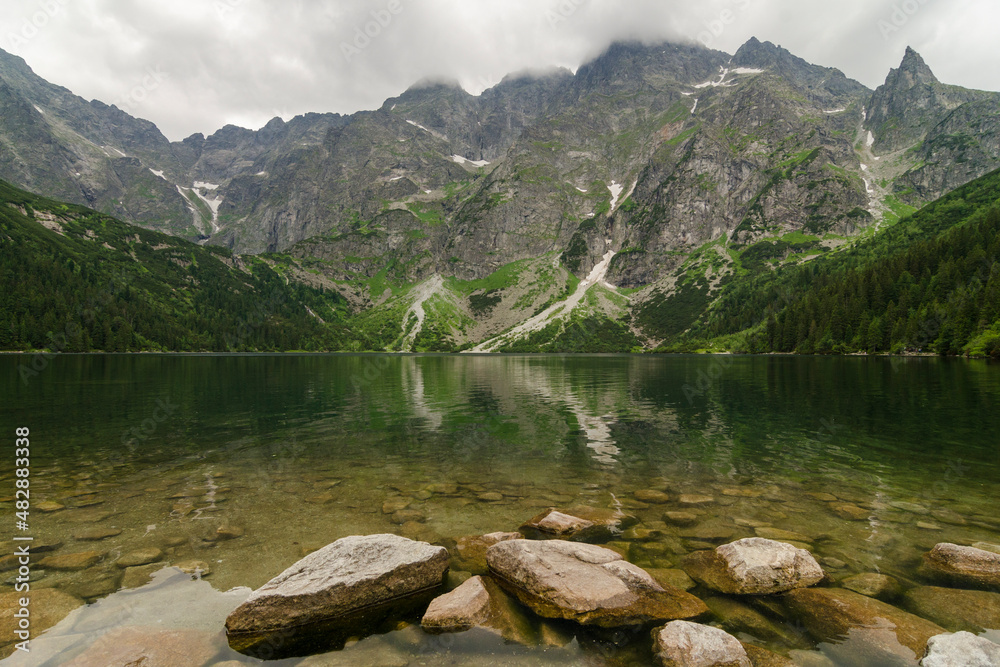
<point>209,475</point>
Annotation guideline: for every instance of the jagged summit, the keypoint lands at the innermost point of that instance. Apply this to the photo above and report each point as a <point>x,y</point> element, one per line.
<point>911,102</point>
<point>755,53</point>
<point>912,71</point>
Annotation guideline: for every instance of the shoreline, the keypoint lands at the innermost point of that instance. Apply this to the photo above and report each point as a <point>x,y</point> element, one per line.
<point>305,353</point>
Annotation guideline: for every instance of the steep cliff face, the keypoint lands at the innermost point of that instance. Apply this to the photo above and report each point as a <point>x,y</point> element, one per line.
<point>947,135</point>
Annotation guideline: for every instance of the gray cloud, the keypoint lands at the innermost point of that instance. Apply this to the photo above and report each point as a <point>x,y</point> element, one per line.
<point>195,65</point>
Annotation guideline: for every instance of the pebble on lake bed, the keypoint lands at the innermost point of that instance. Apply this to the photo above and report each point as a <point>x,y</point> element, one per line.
<point>71,562</point>
<point>695,499</point>
<point>139,557</point>
<point>96,534</point>
<point>652,496</point>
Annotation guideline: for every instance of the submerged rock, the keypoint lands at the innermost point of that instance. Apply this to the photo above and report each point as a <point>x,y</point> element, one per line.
<point>850,512</point>
<point>955,609</point>
<point>345,588</point>
<point>754,566</point>
<point>695,499</point>
<point>470,551</point>
<point>961,649</point>
<point>861,630</point>
<point>873,585</point>
<point>652,496</point>
<point>140,557</point>
<point>672,577</point>
<point>685,644</point>
<point>737,617</point>
<point>760,657</point>
<point>139,575</point>
<point>964,565</point>
<point>581,524</point>
<point>586,584</point>
<point>48,607</point>
<point>96,534</point>
<point>71,562</point>
<point>782,535</point>
<point>148,646</point>
<point>680,518</point>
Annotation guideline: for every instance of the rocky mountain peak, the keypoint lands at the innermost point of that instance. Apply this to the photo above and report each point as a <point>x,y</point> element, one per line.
<point>912,71</point>
<point>755,53</point>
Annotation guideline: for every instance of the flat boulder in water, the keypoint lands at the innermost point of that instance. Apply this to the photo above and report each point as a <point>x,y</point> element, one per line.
<point>955,609</point>
<point>580,524</point>
<point>349,587</point>
<point>861,630</point>
<point>964,565</point>
<point>754,566</point>
<point>585,583</point>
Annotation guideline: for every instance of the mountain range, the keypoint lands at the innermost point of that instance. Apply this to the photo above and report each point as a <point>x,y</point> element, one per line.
<point>604,209</point>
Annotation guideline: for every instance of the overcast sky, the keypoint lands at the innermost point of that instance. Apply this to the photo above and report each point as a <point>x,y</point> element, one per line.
<point>196,65</point>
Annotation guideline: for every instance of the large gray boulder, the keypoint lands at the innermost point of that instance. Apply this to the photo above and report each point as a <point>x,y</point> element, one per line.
<point>354,583</point>
<point>962,649</point>
<point>685,644</point>
<point>754,566</point>
<point>585,583</point>
<point>963,565</point>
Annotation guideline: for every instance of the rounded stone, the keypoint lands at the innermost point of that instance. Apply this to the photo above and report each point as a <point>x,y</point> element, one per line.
<point>754,566</point>
<point>962,649</point>
<point>680,518</point>
<point>95,534</point>
<point>686,644</point>
<point>652,496</point>
<point>140,557</point>
<point>71,562</point>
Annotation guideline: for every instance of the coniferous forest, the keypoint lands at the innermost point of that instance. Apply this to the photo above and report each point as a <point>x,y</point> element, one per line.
<point>930,284</point>
<point>79,281</point>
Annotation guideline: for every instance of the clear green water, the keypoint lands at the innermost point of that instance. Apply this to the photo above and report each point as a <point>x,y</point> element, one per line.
<point>298,451</point>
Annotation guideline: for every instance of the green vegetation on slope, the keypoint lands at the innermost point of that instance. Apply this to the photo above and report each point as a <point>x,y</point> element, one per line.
<point>76,280</point>
<point>930,283</point>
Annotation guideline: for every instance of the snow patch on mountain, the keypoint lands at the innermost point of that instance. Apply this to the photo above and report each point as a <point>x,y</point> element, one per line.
<point>560,309</point>
<point>424,292</point>
<point>476,163</point>
<point>616,191</point>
